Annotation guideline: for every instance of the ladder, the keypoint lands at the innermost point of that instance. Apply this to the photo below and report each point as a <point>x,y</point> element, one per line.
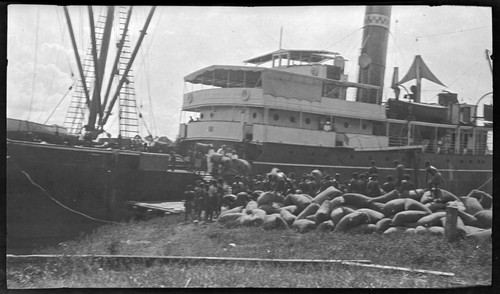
<point>78,106</point>
<point>128,118</point>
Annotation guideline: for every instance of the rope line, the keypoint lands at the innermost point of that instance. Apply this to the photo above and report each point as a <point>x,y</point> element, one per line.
<point>62,31</point>
<point>64,96</point>
<point>350,34</point>
<point>480,187</point>
<point>464,72</point>
<point>55,200</point>
<point>35,63</point>
<point>449,33</point>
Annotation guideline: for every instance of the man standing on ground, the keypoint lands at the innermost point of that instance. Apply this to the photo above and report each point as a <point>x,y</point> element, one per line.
<point>373,170</point>
<point>389,185</point>
<point>400,169</point>
<point>188,201</point>
<point>373,188</point>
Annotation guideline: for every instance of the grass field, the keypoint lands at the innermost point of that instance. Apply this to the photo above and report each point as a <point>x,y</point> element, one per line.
<point>168,236</point>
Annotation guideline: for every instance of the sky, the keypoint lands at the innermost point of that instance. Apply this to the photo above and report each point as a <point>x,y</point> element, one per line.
<point>180,40</point>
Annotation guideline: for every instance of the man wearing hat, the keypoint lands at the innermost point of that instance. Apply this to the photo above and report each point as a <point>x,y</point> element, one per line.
<point>373,169</point>
<point>188,201</point>
<point>222,150</point>
<point>389,184</point>
<point>212,200</point>
<point>353,183</point>
<point>326,182</point>
<point>337,184</point>
<point>428,170</point>
<point>373,188</point>
<point>237,185</point>
<point>435,180</point>
<point>327,127</point>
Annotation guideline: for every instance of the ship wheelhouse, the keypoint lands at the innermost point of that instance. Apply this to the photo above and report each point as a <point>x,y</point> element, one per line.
<point>290,102</point>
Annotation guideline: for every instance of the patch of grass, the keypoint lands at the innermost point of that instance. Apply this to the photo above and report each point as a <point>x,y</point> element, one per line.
<point>471,262</point>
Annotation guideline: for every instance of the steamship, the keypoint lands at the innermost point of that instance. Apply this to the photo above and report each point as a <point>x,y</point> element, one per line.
<point>289,109</point>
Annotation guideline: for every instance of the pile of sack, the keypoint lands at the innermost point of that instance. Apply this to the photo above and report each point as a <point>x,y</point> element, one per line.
<point>415,212</point>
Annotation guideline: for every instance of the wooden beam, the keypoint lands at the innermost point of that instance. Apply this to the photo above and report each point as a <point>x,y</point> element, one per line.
<point>150,260</point>
<point>397,268</point>
<point>125,260</point>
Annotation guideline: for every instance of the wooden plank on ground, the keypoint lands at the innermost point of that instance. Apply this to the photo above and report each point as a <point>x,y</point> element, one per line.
<point>149,260</point>
<point>119,261</point>
<point>170,207</point>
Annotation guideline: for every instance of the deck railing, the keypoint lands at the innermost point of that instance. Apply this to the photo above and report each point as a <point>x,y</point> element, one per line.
<point>438,147</point>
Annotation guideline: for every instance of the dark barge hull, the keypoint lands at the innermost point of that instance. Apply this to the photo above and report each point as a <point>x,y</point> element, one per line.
<point>92,181</point>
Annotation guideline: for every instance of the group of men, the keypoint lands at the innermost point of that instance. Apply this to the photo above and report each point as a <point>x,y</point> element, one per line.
<point>208,196</point>
<point>205,199</point>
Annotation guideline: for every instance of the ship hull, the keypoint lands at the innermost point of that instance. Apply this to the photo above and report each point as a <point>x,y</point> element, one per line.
<point>461,172</point>
<point>46,182</point>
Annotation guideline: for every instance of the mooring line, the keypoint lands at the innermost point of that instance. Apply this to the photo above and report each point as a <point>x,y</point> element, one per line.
<point>484,183</point>
<point>55,200</point>
<point>116,260</point>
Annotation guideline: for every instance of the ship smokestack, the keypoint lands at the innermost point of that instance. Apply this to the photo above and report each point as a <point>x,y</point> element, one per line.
<point>374,52</point>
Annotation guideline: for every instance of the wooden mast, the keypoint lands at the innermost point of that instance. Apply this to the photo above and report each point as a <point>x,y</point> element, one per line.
<point>129,65</point>
<point>99,64</point>
<point>77,57</point>
<point>117,59</point>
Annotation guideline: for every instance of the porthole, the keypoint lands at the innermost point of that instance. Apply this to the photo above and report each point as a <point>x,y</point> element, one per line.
<point>364,126</point>
<point>308,120</point>
<point>276,117</point>
<point>351,156</point>
<point>387,159</point>
<point>470,161</point>
<point>201,115</point>
<point>211,114</point>
<point>461,161</point>
<point>254,115</point>
<point>346,124</point>
<point>292,119</point>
